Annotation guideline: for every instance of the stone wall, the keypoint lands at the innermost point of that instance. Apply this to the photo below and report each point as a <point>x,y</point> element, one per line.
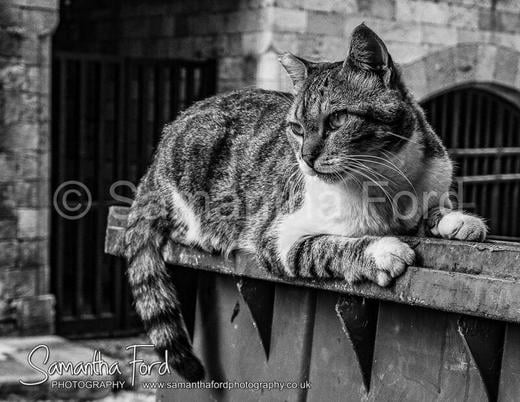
<point>245,36</point>
<point>25,37</point>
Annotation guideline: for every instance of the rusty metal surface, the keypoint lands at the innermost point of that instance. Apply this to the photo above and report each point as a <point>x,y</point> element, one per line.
<point>478,279</point>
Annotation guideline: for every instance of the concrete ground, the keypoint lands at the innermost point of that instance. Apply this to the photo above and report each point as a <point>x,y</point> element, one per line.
<point>15,354</point>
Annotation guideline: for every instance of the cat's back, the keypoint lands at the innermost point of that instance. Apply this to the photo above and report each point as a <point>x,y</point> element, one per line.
<point>244,109</point>
<point>217,135</point>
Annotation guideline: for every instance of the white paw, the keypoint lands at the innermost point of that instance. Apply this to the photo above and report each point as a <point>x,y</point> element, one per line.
<point>391,257</point>
<point>457,225</point>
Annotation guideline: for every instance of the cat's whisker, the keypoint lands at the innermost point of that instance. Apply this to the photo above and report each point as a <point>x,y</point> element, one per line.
<point>384,162</point>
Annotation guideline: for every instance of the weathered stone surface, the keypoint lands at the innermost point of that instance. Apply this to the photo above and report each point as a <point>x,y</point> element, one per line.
<point>415,78</point>
<point>486,63</point>
<point>375,8</point>
<point>466,60</point>
<point>8,253</point>
<point>35,314</point>
<point>323,23</point>
<point>20,282</point>
<point>32,223</point>
<point>20,136</point>
<point>506,66</point>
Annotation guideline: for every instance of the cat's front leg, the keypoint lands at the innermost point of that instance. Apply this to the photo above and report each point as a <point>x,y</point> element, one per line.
<point>378,259</point>
<point>450,224</point>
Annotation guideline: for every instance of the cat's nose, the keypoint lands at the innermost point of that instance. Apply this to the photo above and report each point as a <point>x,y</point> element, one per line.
<point>309,159</point>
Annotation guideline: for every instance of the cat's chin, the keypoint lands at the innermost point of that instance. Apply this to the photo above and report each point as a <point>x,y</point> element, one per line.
<point>332,178</point>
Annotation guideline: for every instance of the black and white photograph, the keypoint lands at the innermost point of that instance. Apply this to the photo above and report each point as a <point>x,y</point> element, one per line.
<point>260,200</point>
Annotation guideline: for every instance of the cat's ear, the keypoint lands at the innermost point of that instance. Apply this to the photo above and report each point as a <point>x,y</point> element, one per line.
<point>369,52</point>
<point>296,67</point>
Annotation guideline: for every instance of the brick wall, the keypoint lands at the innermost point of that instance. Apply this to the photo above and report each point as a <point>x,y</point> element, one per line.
<point>25,36</point>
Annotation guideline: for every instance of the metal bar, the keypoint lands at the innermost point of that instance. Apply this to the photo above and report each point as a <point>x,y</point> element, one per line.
<point>495,190</point>
<point>496,151</point>
<point>490,178</point>
<point>80,230</point>
<point>474,138</point>
<point>455,121</point>
<point>60,169</point>
<point>101,133</point>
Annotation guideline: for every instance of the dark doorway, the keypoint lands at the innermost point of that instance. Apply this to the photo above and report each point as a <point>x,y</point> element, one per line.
<point>107,118</point>
<point>480,125</point>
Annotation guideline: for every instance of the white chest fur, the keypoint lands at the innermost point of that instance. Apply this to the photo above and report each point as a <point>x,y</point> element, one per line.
<point>330,209</point>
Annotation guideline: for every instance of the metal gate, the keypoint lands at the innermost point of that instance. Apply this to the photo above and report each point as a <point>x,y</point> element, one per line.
<point>107,118</point>
<point>480,125</point>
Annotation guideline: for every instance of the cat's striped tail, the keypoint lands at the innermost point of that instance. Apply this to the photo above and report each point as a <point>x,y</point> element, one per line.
<point>155,297</point>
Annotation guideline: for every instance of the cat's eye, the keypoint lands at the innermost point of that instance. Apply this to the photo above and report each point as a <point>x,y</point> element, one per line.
<point>297,129</point>
<point>336,120</point>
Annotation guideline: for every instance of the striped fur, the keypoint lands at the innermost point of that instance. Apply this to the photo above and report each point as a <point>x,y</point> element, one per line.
<point>231,173</point>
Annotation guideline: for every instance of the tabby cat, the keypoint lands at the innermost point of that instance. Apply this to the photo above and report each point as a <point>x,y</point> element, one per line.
<point>314,184</point>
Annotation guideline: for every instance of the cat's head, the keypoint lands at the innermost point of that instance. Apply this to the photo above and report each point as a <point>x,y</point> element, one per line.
<point>347,115</point>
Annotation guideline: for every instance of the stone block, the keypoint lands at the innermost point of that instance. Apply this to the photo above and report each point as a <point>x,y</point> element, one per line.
<point>324,23</point>
<point>230,68</point>
<point>32,253</point>
<point>376,8</point>
<point>7,229</point>
<point>441,72</point>
<point>28,194</point>
<point>28,165</point>
<point>291,4</point>
<point>8,167</point>
<point>466,60</point>
<point>19,282</point>
<point>439,35</point>
<point>256,42</point>
<point>39,21</point>
<point>414,76</point>
<point>21,107</point>
<point>32,223</point>
<point>335,6</point>
<point>506,5</point>
<point>10,42</point>
<point>486,62</point>
<point>509,22</point>
<point>506,66</point>
<point>10,15</point>
<point>256,20</point>
<point>422,11</point>
<point>469,36</point>
<point>29,50</point>
<point>23,136</point>
<point>505,39</point>
<point>407,32</point>
<point>464,17</point>
<point>404,53</point>
<point>289,20</point>
<point>286,42</point>
<point>8,252</point>
<point>35,315</point>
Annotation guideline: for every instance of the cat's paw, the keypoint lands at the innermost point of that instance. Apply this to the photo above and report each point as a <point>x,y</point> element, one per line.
<point>456,225</point>
<point>389,258</point>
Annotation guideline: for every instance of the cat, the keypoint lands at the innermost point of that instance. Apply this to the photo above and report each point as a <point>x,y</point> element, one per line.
<point>315,184</point>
